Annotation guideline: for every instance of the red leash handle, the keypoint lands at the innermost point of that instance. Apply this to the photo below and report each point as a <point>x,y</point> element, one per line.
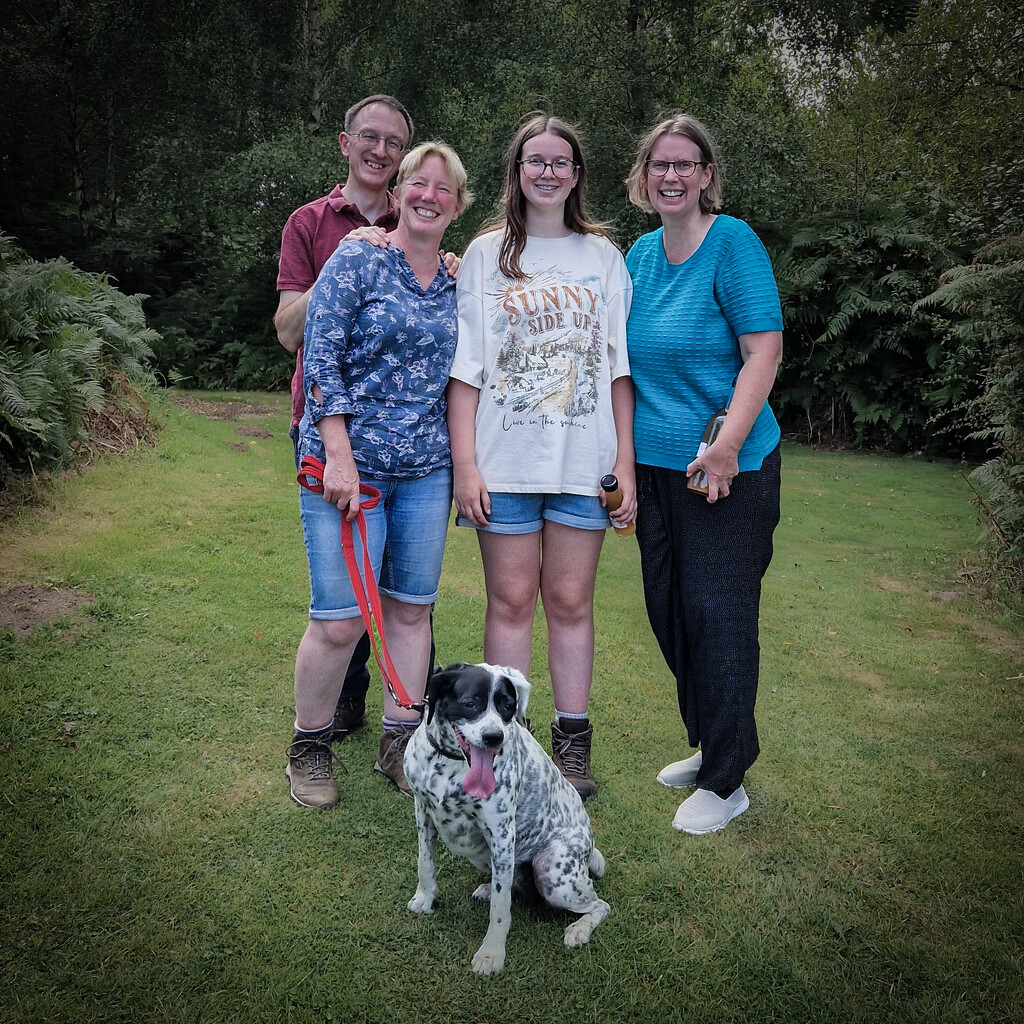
<point>311,476</point>
<point>313,469</point>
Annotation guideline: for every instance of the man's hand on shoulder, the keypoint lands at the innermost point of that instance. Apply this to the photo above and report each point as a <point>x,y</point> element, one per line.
<point>451,263</point>
<point>372,233</point>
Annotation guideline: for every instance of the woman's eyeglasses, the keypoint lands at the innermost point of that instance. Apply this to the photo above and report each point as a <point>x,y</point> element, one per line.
<point>561,167</point>
<point>684,168</point>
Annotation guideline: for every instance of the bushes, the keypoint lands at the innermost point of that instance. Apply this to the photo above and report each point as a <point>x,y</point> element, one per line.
<point>859,354</point>
<point>69,343</point>
<point>887,344</point>
<point>216,316</point>
<point>985,303</point>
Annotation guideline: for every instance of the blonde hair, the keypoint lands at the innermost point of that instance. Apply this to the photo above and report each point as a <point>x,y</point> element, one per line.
<point>414,160</point>
<point>690,128</point>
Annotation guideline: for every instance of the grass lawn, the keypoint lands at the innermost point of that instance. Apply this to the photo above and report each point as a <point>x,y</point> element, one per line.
<point>152,867</point>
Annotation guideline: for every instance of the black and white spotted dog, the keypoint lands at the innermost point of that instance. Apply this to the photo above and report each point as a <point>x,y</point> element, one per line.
<point>488,788</point>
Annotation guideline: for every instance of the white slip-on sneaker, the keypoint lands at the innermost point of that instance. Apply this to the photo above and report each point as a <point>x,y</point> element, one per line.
<point>704,812</point>
<point>680,774</point>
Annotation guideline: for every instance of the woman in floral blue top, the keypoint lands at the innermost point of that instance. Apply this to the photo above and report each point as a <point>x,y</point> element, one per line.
<point>380,335</point>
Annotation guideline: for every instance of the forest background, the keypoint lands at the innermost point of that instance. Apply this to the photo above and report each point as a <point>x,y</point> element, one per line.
<point>874,146</point>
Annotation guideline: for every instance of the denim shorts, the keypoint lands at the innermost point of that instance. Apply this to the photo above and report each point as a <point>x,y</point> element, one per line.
<point>526,513</point>
<point>405,536</point>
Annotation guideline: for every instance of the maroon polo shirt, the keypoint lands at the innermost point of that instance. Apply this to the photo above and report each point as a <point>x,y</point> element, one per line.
<point>310,236</point>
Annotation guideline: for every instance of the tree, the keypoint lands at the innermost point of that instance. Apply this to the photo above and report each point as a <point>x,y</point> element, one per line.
<point>927,112</point>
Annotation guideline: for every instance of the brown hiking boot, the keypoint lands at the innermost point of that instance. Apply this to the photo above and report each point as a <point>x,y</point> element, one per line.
<point>349,715</point>
<point>571,753</point>
<point>310,771</point>
<point>390,755</point>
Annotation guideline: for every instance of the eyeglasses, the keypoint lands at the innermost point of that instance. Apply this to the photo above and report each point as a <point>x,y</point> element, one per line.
<point>684,168</point>
<point>370,139</point>
<point>561,167</point>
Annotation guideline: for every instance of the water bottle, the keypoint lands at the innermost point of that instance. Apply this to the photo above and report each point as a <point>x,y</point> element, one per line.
<point>613,499</point>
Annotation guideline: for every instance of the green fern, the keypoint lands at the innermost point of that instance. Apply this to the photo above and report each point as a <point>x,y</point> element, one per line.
<point>858,356</point>
<point>64,336</point>
<point>985,302</point>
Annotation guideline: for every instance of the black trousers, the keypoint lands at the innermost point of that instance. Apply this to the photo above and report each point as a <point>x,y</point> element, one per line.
<point>702,567</point>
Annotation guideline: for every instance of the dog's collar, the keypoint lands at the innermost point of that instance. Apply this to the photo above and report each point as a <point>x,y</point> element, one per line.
<point>453,755</point>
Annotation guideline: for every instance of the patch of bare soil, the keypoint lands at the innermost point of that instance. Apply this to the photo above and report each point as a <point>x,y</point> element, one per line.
<point>24,608</point>
<point>251,430</point>
<point>237,446</point>
<point>221,410</point>
<point>899,586</point>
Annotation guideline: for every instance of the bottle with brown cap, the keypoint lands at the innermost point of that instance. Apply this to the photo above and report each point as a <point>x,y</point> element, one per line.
<point>613,499</point>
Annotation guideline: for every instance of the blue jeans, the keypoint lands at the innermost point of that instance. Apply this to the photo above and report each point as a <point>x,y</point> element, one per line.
<point>405,536</point>
<point>357,676</point>
<point>518,513</point>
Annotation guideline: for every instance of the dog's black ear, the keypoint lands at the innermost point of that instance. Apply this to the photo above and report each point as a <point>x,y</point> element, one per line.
<point>440,684</point>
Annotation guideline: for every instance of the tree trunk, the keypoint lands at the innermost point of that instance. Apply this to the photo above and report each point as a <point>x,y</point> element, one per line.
<point>77,171</point>
<point>312,60</point>
<point>75,126</point>
<point>111,150</point>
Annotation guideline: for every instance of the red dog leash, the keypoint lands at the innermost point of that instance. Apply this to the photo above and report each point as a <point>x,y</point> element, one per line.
<point>311,476</point>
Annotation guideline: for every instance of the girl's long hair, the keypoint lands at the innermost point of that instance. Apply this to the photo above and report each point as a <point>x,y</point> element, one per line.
<point>513,220</point>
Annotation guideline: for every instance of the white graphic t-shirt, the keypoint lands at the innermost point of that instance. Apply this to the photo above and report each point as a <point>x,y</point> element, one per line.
<point>543,353</point>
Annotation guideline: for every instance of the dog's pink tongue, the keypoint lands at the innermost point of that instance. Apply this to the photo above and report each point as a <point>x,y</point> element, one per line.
<point>479,780</point>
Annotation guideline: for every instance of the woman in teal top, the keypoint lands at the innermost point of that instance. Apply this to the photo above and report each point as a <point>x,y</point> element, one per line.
<point>704,331</point>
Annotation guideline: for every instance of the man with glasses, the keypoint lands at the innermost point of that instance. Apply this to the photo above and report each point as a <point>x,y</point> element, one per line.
<point>377,134</point>
<point>378,131</point>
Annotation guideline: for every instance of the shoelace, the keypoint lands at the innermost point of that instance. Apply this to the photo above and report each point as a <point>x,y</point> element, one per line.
<point>574,759</point>
<point>320,755</point>
<point>396,748</point>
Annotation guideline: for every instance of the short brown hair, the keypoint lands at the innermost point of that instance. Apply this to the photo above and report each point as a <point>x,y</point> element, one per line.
<point>690,128</point>
<point>384,100</point>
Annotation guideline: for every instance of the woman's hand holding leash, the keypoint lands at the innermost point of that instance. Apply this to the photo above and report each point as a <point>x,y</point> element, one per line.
<point>340,476</point>
<point>341,486</point>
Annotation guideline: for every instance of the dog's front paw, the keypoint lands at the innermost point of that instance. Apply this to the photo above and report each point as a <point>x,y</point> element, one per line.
<point>488,960</point>
<point>483,892</point>
<point>422,903</point>
<point>579,932</point>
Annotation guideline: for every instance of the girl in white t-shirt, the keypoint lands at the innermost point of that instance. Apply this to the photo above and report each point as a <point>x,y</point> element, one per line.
<point>540,409</point>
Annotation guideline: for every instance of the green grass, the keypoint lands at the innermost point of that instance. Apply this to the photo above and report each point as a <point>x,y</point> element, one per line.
<point>153,868</point>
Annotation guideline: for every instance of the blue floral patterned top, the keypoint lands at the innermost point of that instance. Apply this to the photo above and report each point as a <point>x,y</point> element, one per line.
<point>380,347</point>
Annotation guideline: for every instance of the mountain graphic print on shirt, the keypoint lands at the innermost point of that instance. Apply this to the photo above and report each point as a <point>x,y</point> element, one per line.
<point>543,353</point>
<point>554,348</point>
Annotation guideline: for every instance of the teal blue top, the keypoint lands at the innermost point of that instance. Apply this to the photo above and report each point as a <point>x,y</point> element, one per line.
<point>682,340</point>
